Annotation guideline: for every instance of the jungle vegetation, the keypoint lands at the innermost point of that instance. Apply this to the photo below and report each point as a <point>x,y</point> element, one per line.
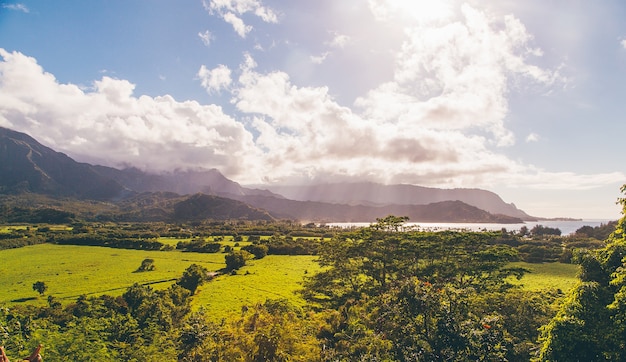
<point>382,293</point>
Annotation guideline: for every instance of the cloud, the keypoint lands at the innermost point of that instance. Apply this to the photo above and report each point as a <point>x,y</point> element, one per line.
<point>456,75</point>
<point>16,7</point>
<point>306,135</point>
<point>231,11</point>
<point>206,37</point>
<point>339,40</point>
<point>439,120</point>
<point>109,125</point>
<point>238,25</point>
<point>319,59</point>
<point>623,43</point>
<point>533,137</point>
<point>215,79</point>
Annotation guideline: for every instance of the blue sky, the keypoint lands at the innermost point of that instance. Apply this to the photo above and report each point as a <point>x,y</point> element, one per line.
<point>523,98</point>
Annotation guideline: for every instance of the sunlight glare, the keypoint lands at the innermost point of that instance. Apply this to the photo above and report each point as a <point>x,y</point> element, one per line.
<point>421,10</point>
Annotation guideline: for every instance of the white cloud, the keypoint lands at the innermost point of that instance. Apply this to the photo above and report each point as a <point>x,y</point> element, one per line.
<point>319,59</point>
<point>109,125</point>
<point>339,40</point>
<point>422,11</point>
<point>16,7</point>
<point>231,11</point>
<point>623,43</point>
<point>533,137</point>
<point>206,37</point>
<point>302,133</point>
<point>215,79</point>
<point>436,121</point>
<point>238,25</point>
<point>305,134</point>
<point>455,75</point>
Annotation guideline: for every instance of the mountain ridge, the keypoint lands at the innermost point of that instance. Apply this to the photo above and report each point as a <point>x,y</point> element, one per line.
<point>28,166</point>
<point>373,194</point>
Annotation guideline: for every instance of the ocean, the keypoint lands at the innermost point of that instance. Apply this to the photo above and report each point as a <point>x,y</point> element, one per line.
<point>566,226</point>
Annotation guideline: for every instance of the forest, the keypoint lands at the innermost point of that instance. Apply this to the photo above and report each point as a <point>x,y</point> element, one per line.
<point>382,293</point>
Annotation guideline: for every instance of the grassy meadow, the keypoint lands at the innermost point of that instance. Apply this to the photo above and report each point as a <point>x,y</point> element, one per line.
<point>273,277</point>
<point>544,276</point>
<point>70,271</point>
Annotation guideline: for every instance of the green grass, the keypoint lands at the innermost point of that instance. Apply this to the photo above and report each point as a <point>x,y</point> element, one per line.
<point>6,229</point>
<point>273,277</point>
<point>70,271</point>
<point>548,276</point>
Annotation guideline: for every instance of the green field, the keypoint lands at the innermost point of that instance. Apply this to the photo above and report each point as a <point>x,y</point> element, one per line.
<point>544,276</point>
<point>273,277</point>
<point>70,271</point>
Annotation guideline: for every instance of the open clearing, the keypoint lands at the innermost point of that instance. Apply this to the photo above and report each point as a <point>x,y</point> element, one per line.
<point>273,277</point>
<point>544,276</point>
<point>70,271</point>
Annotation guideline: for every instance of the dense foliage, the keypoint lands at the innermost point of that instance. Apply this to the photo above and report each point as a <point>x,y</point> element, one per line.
<point>385,293</point>
<point>591,324</point>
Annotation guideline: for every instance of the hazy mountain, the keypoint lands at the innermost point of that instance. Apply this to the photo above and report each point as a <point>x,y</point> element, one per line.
<point>28,166</point>
<point>445,211</point>
<point>201,207</point>
<point>210,182</point>
<point>372,194</point>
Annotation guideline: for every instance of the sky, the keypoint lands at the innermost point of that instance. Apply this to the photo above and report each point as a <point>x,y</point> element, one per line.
<point>522,98</point>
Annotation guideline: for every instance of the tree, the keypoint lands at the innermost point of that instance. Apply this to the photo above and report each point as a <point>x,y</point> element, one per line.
<point>236,259</point>
<point>258,250</point>
<point>146,265</point>
<point>40,287</point>
<point>193,277</point>
<point>390,223</point>
<point>591,324</point>
<point>540,230</point>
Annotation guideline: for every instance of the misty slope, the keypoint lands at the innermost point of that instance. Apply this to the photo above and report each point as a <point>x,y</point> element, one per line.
<point>366,193</point>
<point>444,211</point>
<point>28,166</point>
<point>210,182</point>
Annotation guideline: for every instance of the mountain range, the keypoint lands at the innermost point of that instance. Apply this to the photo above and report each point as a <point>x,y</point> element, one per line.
<point>30,168</point>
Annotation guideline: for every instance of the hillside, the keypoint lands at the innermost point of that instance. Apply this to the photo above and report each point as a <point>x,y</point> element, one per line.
<point>210,182</point>
<point>444,211</point>
<point>27,167</point>
<point>367,193</point>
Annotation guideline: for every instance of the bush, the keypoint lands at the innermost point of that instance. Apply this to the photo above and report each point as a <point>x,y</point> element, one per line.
<point>237,259</point>
<point>259,251</point>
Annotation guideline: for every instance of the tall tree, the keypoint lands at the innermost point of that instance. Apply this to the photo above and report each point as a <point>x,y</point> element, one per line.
<point>591,324</point>
<point>193,277</point>
<point>40,287</point>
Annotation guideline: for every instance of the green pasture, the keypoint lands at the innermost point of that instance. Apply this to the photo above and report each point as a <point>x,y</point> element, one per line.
<point>224,240</point>
<point>70,271</point>
<point>6,229</point>
<point>545,276</point>
<point>273,277</point>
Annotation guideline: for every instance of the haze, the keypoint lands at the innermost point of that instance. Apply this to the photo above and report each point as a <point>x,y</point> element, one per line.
<point>520,98</point>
